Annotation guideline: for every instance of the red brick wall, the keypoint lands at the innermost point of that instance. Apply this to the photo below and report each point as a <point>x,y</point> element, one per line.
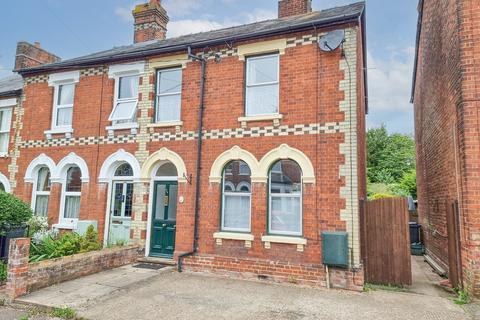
<point>447,130</point>
<point>288,8</point>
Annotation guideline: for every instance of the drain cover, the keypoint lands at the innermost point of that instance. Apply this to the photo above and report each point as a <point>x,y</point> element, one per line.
<point>151,266</point>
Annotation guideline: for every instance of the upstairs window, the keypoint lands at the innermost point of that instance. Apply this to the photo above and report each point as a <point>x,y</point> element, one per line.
<point>5,121</point>
<point>169,95</point>
<point>41,194</point>
<point>236,197</point>
<point>126,100</point>
<point>63,108</point>
<point>72,193</point>
<point>285,205</point>
<point>262,85</point>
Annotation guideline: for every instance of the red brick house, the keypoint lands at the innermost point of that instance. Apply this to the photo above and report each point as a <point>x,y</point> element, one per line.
<point>230,150</point>
<point>446,101</point>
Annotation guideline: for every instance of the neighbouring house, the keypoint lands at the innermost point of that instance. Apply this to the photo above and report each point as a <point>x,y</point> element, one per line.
<point>230,150</point>
<point>446,101</point>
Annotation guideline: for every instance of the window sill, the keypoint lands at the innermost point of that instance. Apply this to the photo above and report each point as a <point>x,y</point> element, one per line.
<point>64,226</point>
<point>273,117</point>
<point>3,154</point>
<point>166,124</point>
<point>300,242</point>
<point>133,127</point>
<point>66,131</point>
<point>248,238</point>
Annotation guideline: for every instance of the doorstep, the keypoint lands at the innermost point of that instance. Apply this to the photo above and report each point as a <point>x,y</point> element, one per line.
<point>164,261</point>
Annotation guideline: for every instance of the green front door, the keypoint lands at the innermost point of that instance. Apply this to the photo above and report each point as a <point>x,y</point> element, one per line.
<point>164,219</point>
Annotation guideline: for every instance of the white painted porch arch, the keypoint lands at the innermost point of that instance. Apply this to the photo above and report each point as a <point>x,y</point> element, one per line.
<point>66,163</point>
<point>235,153</point>
<point>6,183</point>
<point>163,155</point>
<point>111,164</point>
<point>41,161</point>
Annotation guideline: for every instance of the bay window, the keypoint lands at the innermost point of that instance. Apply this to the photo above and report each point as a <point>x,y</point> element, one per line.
<point>285,199</point>
<point>236,197</point>
<point>262,85</point>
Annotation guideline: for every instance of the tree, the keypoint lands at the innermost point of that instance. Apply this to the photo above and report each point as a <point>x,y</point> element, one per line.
<point>408,183</point>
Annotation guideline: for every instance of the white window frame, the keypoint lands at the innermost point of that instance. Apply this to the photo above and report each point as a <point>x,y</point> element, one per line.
<point>284,195</point>
<point>117,101</point>
<point>116,72</point>
<point>263,84</point>
<point>235,194</point>
<point>37,193</point>
<point>159,95</point>
<point>6,131</point>
<point>68,223</point>
<point>56,80</point>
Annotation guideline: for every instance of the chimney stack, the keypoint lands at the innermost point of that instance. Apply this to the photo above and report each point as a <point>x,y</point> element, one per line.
<point>31,55</point>
<point>287,8</point>
<point>150,21</point>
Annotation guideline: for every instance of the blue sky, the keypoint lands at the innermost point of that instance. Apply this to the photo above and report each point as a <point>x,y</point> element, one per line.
<point>71,28</point>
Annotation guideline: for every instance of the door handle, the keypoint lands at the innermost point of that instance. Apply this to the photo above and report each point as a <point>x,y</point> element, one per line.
<point>164,225</point>
<point>165,200</point>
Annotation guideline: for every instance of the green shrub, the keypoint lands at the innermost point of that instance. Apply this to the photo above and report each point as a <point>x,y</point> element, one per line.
<point>13,211</point>
<point>68,244</point>
<point>377,196</point>
<point>64,313</point>
<point>3,271</point>
<point>90,240</point>
<point>37,224</point>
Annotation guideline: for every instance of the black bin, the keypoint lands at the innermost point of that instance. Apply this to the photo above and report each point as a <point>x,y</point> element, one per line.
<point>415,233</point>
<point>10,232</point>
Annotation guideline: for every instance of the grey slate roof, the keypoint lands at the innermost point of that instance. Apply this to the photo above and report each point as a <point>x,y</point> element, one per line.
<point>326,17</point>
<point>11,84</point>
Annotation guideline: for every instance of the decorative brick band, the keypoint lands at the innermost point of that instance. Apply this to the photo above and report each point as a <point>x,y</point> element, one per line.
<point>269,131</point>
<point>98,71</point>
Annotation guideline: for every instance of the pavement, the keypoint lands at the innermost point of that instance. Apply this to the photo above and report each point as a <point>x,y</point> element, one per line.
<point>132,293</point>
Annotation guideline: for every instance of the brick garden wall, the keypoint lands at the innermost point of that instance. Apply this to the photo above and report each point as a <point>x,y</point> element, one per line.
<point>25,277</point>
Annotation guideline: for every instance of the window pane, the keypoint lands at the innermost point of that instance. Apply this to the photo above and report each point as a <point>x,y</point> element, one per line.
<point>124,111</point>
<point>170,81</point>
<point>262,100</point>
<point>160,202</point>
<point>129,200</point>
<point>41,205</point>
<point>5,120</point>
<point>124,170</point>
<point>172,202</point>
<point>4,137</point>
<point>168,108</point>
<point>234,180</point>
<point>262,70</point>
<point>65,94</point>
<point>72,207</point>
<point>167,170</point>
<point>236,213</point>
<point>286,177</point>
<point>285,214</point>
<point>74,180</point>
<point>64,116</point>
<point>128,87</point>
<point>117,199</point>
<point>43,182</point>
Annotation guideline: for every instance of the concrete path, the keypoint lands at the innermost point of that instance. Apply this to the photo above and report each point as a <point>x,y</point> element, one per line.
<point>129,293</point>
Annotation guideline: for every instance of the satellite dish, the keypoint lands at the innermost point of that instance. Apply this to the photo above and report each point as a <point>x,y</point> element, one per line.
<point>332,40</point>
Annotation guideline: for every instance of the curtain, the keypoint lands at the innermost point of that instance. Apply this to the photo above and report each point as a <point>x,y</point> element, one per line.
<point>41,205</point>
<point>236,212</point>
<point>285,214</point>
<point>169,108</point>
<point>64,116</point>
<point>4,137</point>
<point>72,207</point>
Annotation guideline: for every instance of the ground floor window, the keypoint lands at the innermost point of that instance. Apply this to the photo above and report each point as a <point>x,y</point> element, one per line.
<point>72,193</point>
<point>41,192</point>
<point>285,198</point>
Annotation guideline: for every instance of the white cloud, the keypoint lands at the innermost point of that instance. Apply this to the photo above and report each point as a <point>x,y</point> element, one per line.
<point>259,15</point>
<point>124,13</point>
<point>390,81</point>
<point>182,27</point>
<point>181,7</point>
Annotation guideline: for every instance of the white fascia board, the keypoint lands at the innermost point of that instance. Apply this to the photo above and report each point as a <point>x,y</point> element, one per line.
<point>126,69</point>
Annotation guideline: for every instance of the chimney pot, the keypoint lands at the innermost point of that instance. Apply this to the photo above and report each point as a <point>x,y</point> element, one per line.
<point>150,21</point>
<point>36,44</point>
<point>287,8</point>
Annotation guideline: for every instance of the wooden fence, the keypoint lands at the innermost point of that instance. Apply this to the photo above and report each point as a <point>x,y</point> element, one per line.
<point>386,241</point>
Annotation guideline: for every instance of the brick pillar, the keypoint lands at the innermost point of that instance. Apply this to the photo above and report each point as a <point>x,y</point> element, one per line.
<point>19,251</point>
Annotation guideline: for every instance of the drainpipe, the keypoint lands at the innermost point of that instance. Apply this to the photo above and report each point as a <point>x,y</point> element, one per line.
<point>203,61</point>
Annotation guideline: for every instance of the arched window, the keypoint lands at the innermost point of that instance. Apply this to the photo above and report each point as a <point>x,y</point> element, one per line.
<point>167,169</point>
<point>124,170</point>
<point>285,203</point>
<point>236,197</point>
<point>2,187</point>
<point>72,192</point>
<point>41,192</point>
